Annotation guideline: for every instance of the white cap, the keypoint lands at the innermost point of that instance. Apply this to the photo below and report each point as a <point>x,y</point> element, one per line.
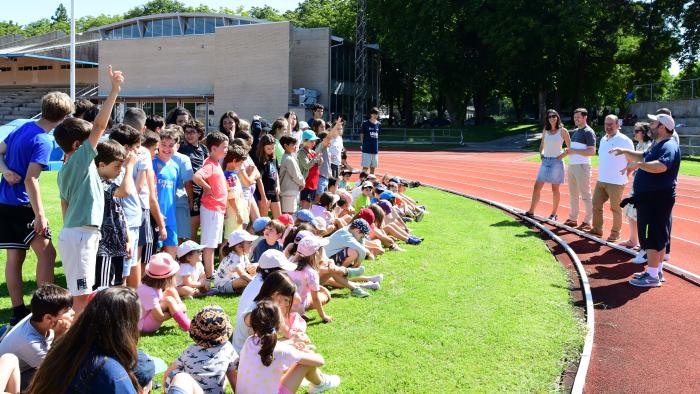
<point>367,184</point>
<point>273,258</point>
<point>320,223</point>
<point>665,120</point>
<point>239,236</point>
<point>303,125</point>
<point>187,247</point>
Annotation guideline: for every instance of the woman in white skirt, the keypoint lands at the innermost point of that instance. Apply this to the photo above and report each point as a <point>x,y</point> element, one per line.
<point>552,167</point>
<point>642,136</point>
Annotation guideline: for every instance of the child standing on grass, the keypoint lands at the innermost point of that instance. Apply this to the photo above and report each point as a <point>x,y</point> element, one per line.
<point>82,198</point>
<point>167,178</point>
<point>236,206</point>
<point>211,360</point>
<point>158,295</point>
<point>308,161</point>
<point>115,245</point>
<point>268,186</point>
<point>191,280</point>
<point>214,196</point>
<point>291,179</point>
<point>269,366</point>
<point>235,270</point>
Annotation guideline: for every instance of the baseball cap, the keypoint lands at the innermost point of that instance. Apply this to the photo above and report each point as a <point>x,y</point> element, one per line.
<point>385,205</point>
<point>306,215</point>
<point>386,195</point>
<point>210,327</point>
<point>187,247</point>
<point>308,136</point>
<point>664,119</point>
<point>301,235</point>
<point>273,258</point>
<point>260,223</point>
<point>367,184</point>
<point>309,245</point>
<point>147,367</point>
<point>360,224</point>
<point>286,219</point>
<point>162,265</point>
<point>303,125</point>
<point>367,214</point>
<point>239,236</point>
<point>320,223</point>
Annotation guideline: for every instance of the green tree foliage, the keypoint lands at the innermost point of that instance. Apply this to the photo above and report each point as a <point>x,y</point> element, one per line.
<point>9,27</point>
<point>266,13</point>
<point>339,15</point>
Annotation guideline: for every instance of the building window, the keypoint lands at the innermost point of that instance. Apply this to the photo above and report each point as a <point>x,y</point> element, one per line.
<point>220,22</point>
<point>189,26</point>
<point>209,25</point>
<point>5,69</point>
<point>199,26</point>
<point>157,28</point>
<point>167,27</point>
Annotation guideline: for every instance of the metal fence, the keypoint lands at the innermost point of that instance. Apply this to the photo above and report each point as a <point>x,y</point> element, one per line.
<point>412,136</point>
<point>684,89</point>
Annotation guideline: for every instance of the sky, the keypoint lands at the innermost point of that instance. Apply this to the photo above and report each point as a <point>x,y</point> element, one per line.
<point>24,12</point>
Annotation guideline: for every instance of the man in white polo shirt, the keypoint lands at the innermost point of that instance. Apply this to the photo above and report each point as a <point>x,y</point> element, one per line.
<point>611,178</point>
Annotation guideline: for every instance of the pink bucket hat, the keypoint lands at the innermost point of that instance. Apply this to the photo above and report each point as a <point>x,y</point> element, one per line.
<point>310,244</point>
<point>161,266</point>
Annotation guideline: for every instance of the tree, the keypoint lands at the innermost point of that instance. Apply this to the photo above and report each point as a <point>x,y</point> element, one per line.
<point>10,27</point>
<point>157,7</point>
<point>39,27</point>
<point>88,22</point>
<point>339,15</point>
<point>60,15</point>
<point>266,12</point>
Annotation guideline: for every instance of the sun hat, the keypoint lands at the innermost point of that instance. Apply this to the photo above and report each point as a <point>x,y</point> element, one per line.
<point>286,219</point>
<point>308,136</point>
<point>665,120</point>
<point>367,214</point>
<point>306,215</point>
<point>186,247</point>
<point>320,224</point>
<point>345,195</point>
<point>310,245</point>
<point>360,224</point>
<point>386,195</point>
<point>385,205</point>
<point>301,235</point>
<point>273,258</point>
<point>239,236</point>
<point>162,265</point>
<point>303,125</point>
<point>210,327</point>
<point>147,367</point>
<point>260,223</point>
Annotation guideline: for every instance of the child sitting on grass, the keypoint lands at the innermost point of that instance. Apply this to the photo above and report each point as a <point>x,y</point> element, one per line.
<point>211,360</point>
<point>235,270</point>
<point>274,230</point>
<point>158,295</point>
<point>269,366</point>
<point>345,246</point>
<point>82,196</point>
<point>191,280</point>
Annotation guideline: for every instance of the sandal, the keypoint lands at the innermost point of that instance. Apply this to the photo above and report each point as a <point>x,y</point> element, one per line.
<point>553,217</point>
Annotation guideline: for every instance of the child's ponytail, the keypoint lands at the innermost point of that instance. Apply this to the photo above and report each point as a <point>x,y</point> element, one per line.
<point>264,320</point>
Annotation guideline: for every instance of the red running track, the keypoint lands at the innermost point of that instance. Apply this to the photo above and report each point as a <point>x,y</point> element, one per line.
<point>645,338</point>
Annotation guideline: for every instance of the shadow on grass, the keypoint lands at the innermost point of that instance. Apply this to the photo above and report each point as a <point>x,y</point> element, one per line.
<point>28,286</point>
<point>507,223</point>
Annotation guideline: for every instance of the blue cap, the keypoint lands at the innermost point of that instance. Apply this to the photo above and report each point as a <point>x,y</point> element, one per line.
<point>360,224</point>
<point>308,136</point>
<point>306,216</point>
<point>260,223</point>
<point>387,195</point>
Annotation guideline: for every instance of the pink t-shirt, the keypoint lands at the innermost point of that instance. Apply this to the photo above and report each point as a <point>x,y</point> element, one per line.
<point>212,173</point>
<point>307,280</point>
<point>149,298</point>
<point>254,377</point>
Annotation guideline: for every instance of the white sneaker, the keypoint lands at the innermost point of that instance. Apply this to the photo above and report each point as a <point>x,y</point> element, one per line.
<point>328,382</point>
<point>376,278</point>
<point>640,258</point>
<point>667,257</point>
<point>369,285</point>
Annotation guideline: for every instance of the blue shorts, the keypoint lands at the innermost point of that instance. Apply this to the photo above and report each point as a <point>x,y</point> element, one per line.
<point>322,185</point>
<point>171,240</point>
<point>339,257</point>
<point>307,195</point>
<point>182,216</point>
<point>134,260</point>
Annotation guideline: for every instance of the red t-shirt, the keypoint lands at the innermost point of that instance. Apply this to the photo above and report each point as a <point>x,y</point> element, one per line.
<point>312,178</point>
<point>212,173</point>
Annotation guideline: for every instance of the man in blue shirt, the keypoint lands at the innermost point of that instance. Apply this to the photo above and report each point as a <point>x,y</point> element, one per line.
<point>654,195</point>
<point>369,137</point>
<point>23,155</point>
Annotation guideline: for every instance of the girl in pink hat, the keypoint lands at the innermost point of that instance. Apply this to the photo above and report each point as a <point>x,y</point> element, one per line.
<point>158,295</point>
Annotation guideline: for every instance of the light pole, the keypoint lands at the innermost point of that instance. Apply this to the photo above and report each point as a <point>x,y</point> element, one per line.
<point>72,50</point>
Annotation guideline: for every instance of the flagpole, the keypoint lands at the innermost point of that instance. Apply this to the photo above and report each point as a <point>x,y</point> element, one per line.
<point>72,50</point>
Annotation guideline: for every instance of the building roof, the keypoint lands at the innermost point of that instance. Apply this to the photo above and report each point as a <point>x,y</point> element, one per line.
<point>58,59</point>
<point>174,15</point>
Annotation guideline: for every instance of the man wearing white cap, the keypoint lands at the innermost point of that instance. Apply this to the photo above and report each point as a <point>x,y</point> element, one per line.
<point>654,195</point>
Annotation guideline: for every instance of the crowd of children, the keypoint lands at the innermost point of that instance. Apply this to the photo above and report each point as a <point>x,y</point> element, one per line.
<point>150,209</point>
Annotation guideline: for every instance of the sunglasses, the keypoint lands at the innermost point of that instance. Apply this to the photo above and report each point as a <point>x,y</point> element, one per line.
<point>638,130</point>
<point>552,116</point>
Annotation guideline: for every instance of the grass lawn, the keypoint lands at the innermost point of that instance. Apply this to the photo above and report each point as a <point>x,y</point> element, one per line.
<point>689,166</point>
<point>481,306</point>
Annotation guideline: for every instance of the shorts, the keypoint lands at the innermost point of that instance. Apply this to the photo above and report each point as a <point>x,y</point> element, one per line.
<point>176,390</point>
<point>196,202</point>
<point>212,223</point>
<point>17,231</point>
<point>307,195</point>
<point>370,160</point>
<point>322,185</point>
<point>290,203</point>
<point>134,260</point>
<point>182,217</point>
<point>551,171</point>
<point>339,257</point>
<point>227,288</point>
<point>231,223</point>
<point>654,221</point>
<point>171,239</point>
<point>145,230</point>
<point>335,171</point>
<point>148,323</point>
<point>78,249</point>
<point>109,271</point>
<point>271,196</point>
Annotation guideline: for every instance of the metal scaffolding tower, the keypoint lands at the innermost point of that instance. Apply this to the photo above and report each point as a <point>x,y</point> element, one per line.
<point>360,87</point>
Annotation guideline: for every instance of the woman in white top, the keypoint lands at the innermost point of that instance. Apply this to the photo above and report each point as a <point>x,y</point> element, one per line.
<point>552,167</point>
<point>642,135</point>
